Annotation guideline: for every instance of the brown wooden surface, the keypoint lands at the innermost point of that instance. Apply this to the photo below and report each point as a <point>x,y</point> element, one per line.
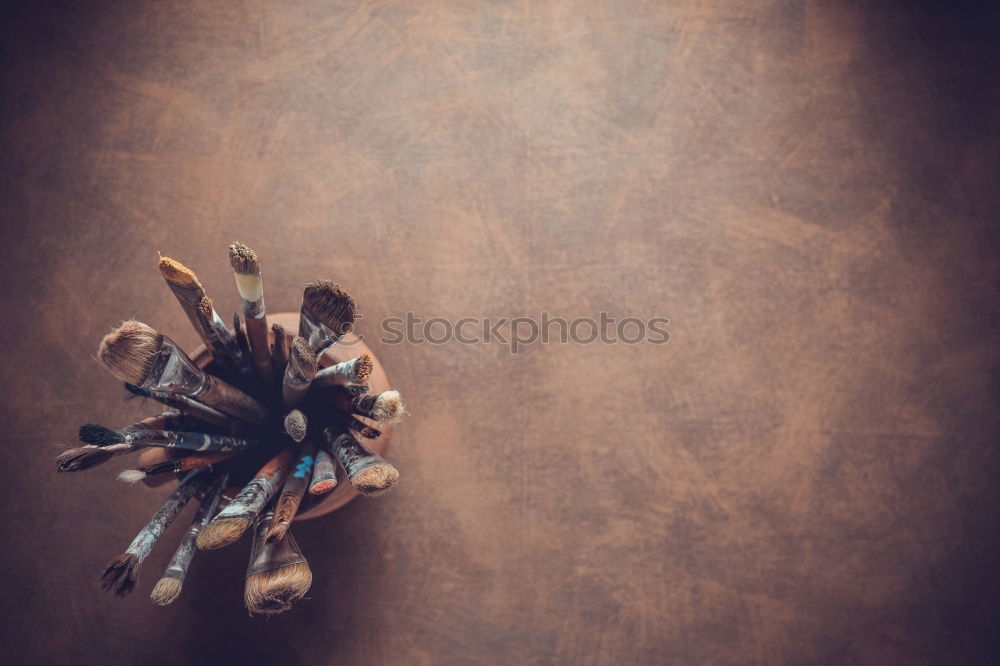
<point>806,474</point>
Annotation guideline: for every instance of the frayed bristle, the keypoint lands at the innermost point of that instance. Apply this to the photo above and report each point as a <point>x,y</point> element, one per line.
<point>92,433</point>
<point>331,304</point>
<point>389,407</point>
<point>277,590</point>
<point>81,458</point>
<point>363,367</point>
<point>166,591</point>
<point>221,533</point>
<point>304,355</point>
<point>375,480</point>
<point>178,274</point>
<point>205,307</point>
<point>296,425</point>
<point>243,259</point>
<point>131,475</point>
<point>130,350</point>
<point>120,575</point>
<point>277,532</point>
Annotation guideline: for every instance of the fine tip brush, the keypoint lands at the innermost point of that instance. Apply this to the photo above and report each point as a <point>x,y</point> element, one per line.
<point>196,461</point>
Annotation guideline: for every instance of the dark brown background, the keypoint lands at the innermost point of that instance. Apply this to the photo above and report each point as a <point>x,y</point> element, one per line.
<point>806,473</point>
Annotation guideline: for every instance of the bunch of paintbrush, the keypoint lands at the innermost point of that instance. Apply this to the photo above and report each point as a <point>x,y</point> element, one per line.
<point>262,419</point>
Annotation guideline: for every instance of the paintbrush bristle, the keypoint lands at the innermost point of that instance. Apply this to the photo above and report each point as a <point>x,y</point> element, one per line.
<point>92,433</point>
<point>81,458</point>
<point>296,425</point>
<point>277,532</point>
<point>130,350</point>
<point>120,574</point>
<point>166,591</point>
<point>389,407</point>
<point>363,367</point>
<point>205,307</point>
<point>304,355</point>
<point>323,487</point>
<point>243,259</point>
<point>178,274</point>
<point>131,475</point>
<point>375,480</point>
<point>277,590</point>
<point>331,304</point>
<point>221,533</point>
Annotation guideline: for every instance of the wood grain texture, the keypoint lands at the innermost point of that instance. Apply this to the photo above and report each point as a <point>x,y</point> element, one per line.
<point>806,474</point>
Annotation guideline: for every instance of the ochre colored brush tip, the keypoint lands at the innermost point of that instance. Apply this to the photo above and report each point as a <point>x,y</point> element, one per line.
<point>375,480</point>
<point>221,533</point>
<point>276,591</point>
<point>166,591</point>
<point>177,273</point>
<point>304,355</point>
<point>205,307</point>
<point>363,368</point>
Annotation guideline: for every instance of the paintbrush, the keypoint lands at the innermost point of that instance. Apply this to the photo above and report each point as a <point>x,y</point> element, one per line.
<point>355,371</point>
<point>368,472</point>
<point>250,284</point>
<point>120,575</point>
<point>324,474</point>
<point>168,588</point>
<point>386,407</point>
<point>296,425</point>
<point>93,433</point>
<point>292,492</point>
<point>187,405</point>
<point>299,373</point>
<point>327,314</point>
<point>278,574</point>
<point>363,429</point>
<point>232,522</point>
<point>279,354</point>
<point>84,457</point>
<point>195,461</point>
<point>137,354</point>
<point>210,328</point>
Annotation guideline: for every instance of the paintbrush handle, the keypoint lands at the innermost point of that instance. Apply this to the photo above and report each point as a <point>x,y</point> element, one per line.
<point>161,520</point>
<point>192,441</point>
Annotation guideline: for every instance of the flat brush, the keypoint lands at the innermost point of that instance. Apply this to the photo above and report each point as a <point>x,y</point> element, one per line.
<point>187,405</point>
<point>291,493</point>
<point>368,472</point>
<point>386,407</point>
<point>355,371</point>
<point>197,461</point>
<point>250,284</point>
<point>327,314</point>
<point>296,425</point>
<point>210,328</point>
<point>137,354</point>
<point>299,373</point>
<point>120,575</point>
<point>168,588</point>
<point>278,574</point>
<point>92,455</point>
<point>92,433</point>
<point>324,474</point>
<point>233,521</point>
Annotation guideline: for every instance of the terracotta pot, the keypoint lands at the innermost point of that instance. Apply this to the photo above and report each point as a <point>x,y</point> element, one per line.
<point>379,382</point>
